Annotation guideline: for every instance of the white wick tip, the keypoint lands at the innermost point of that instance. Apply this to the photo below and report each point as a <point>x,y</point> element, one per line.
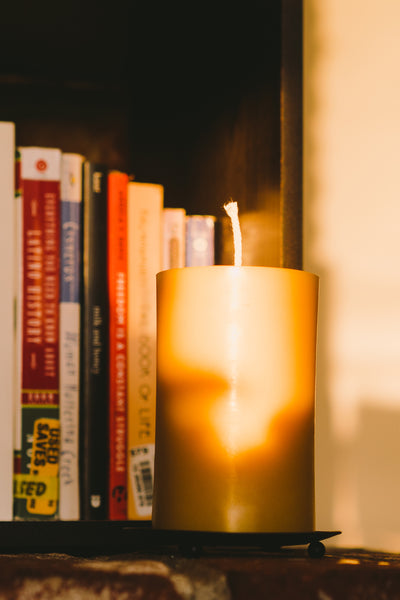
<point>232,210</point>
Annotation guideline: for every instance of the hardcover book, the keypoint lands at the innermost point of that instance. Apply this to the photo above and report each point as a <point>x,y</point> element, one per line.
<point>7,283</point>
<point>117,285</point>
<point>145,204</point>
<point>70,291</point>
<point>94,450</point>
<point>36,475</point>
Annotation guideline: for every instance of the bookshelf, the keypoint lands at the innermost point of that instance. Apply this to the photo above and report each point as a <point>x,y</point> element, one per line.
<point>204,100</point>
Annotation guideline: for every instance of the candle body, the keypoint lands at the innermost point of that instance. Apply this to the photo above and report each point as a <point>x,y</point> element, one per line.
<point>235,399</point>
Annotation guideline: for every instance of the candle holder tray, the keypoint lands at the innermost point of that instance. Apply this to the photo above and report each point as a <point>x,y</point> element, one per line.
<point>111,537</point>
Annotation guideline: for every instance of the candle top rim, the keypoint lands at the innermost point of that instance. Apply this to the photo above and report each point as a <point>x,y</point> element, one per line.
<point>239,268</point>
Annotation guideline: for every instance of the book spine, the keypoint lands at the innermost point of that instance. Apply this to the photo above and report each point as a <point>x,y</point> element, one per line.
<point>37,479</point>
<point>200,246</point>
<point>117,284</point>
<point>70,289</point>
<point>145,204</point>
<point>94,347</point>
<point>7,282</point>
<point>18,264</point>
<point>173,238</point>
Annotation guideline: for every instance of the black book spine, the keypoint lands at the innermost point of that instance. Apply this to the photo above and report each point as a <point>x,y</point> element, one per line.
<point>94,387</point>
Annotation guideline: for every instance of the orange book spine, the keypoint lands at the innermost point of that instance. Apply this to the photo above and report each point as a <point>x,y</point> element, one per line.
<point>117,281</point>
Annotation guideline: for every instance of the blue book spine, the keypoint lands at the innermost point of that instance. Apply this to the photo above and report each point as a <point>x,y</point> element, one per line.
<point>200,244</point>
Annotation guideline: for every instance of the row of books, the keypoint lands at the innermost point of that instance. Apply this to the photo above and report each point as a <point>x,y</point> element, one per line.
<point>81,245</point>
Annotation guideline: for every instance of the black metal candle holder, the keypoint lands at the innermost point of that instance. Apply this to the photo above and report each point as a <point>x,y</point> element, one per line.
<point>108,537</point>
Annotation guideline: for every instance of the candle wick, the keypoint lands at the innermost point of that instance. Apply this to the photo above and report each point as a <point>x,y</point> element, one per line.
<point>232,211</point>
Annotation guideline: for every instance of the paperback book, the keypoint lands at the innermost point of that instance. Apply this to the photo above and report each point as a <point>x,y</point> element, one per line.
<point>173,238</point>
<point>145,204</point>
<point>200,240</point>
<point>7,283</point>
<point>94,445</point>
<point>36,475</point>
<point>70,295</point>
<point>117,285</point>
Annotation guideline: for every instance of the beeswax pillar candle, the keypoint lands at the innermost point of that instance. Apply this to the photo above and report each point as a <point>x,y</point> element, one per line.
<point>235,399</point>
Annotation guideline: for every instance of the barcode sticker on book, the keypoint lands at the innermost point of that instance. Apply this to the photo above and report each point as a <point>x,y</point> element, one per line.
<point>142,474</point>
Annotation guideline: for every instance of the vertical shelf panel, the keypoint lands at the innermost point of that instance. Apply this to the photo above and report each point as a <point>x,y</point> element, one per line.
<point>291,251</point>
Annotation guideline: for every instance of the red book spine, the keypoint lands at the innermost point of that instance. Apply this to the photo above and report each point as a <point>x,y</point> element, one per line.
<point>117,278</point>
<point>36,486</point>
<point>41,285</point>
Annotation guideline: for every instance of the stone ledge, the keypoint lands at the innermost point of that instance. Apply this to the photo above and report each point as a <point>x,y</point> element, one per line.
<point>340,574</point>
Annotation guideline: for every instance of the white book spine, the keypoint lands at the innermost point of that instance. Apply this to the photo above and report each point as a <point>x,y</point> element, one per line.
<point>70,258</point>
<point>7,283</point>
<point>173,237</point>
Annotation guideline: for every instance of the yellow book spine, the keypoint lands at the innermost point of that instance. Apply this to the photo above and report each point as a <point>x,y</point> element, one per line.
<point>144,222</point>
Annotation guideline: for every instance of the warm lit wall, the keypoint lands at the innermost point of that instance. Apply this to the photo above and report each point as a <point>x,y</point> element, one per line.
<point>352,240</point>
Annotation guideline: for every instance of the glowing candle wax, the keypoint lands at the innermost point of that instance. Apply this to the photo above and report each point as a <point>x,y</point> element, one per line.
<point>235,399</point>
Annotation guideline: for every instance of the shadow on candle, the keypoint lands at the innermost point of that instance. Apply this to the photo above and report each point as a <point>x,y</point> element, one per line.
<point>235,399</point>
